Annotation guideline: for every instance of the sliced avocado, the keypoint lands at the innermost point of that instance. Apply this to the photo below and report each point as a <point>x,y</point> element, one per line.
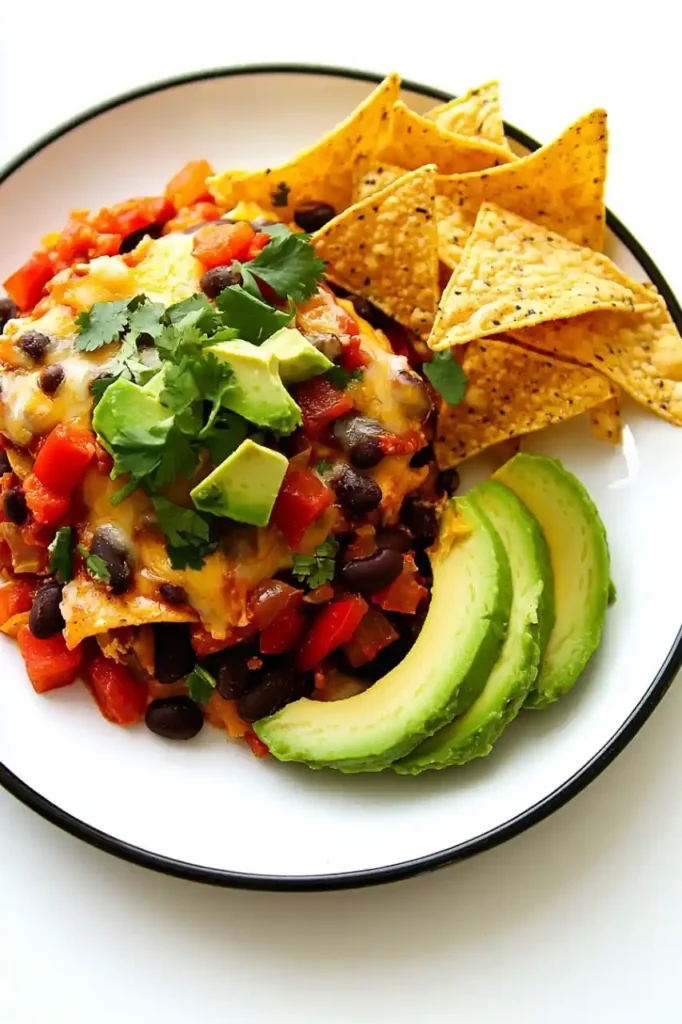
<point>243,487</point>
<point>441,676</point>
<point>125,404</point>
<point>258,393</point>
<point>530,622</point>
<point>577,544</point>
<point>298,359</point>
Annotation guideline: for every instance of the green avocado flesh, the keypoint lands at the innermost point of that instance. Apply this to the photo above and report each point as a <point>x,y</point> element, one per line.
<point>530,622</point>
<point>441,676</point>
<point>243,487</point>
<point>576,539</point>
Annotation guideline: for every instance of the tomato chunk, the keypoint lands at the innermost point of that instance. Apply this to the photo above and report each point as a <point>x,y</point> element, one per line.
<point>320,403</point>
<point>258,748</point>
<point>334,625</point>
<point>301,499</point>
<point>205,644</point>
<point>284,633</point>
<point>373,634</point>
<point>405,594</point>
<point>64,458</point>
<point>15,597</point>
<point>25,285</point>
<point>218,244</point>
<point>49,663</point>
<point>121,697</point>
<point>189,184</point>
<point>46,506</point>
<point>269,599</point>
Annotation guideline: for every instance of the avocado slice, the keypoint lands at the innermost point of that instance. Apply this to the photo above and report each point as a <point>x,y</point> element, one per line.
<point>530,623</point>
<point>125,404</point>
<point>298,360</point>
<point>257,393</point>
<point>579,552</point>
<point>243,487</point>
<point>441,676</point>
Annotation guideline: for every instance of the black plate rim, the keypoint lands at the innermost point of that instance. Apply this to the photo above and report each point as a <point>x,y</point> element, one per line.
<point>406,869</point>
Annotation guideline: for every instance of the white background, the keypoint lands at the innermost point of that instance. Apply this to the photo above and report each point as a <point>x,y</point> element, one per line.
<point>578,919</point>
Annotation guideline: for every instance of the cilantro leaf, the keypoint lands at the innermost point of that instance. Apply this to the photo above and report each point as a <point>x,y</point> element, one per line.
<point>179,386</point>
<point>227,433</point>
<point>200,685</point>
<point>188,312</point>
<point>289,264</point>
<point>138,450</point>
<point>101,325</point>
<point>253,319</point>
<point>280,195</point>
<point>341,378</point>
<point>318,568</point>
<point>100,384</point>
<point>447,377</point>
<point>144,318</point>
<point>187,533</point>
<point>60,564</point>
<point>96,566</point>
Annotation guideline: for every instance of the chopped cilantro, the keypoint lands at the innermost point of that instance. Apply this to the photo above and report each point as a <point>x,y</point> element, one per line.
<point>288,263</point>
<point>280,196</point>
<point>101,325</point>
<point>322,467</point>
<point>447,377</point>
<point>96,566</point>
<point>341,378</point>
<point>144,318</point>
<point>200,685</point>
<point>187,533</point>
<point>253,319</point>
<point>229,430</point>
<point>318,568</point>
<point>60,564</point>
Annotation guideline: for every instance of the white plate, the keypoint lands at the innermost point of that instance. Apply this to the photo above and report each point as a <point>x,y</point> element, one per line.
<point>210,811</point>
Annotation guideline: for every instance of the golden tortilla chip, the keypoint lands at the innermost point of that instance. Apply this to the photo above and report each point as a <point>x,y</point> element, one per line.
<point>560,186</point>
<point>386,249</point>
<point>374,179</point>
<point>415,141</point>
<point>641,351</point>
<point>515,274</point>
<point>511,392</point>
<point>477,114</point>
<point>605,420</point>
<point>324,172</point>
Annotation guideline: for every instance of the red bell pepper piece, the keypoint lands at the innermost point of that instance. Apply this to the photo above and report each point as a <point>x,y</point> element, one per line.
<point>258,748</point>
<point>405,594</point>
<point>121,697</point>
<point>320,403</point>
<point>284,633</point>
<point>133,215</point>
<point>301,499</point>
<point>334,626</point>
<point>15,597</point>
<point>46,505</point>
<point>373,634</point>
<point>189,184</point>
<point>270,599</point>
<point>25,285</point>
<point>64,458</point>
<point>352,355</point>
<point>49,663</point>
<point>218,244</point>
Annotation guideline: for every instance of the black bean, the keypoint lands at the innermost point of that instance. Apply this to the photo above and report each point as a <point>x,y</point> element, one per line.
<point>258,223</point>
<point>360,436</point>
<point>234,675</point>
<point>422,457</point>
<point>174,718</point>
<point>5,464</point>
<point>110,544</point>
<point>34,344</point>
<point>8,311</point>
<point>369,312</point>
<point>193,228</point>
<point>214,281</point>
<point>14,504</point>
<point>447,481</point>
<point>327,343</point>
<point>368,575</point>
<point>174,655</point>
<point>172,594</point>
<point>356,494</point>
<point>339,290</point>
<point>420,519</point>
<point>51,378</point>
<point>423,563</point>
<point>46,618</point>
<point>366,453</point>
<point>132,240</point>
<point>277,687</point>
<point>397,538</point>
<point>313,216</point>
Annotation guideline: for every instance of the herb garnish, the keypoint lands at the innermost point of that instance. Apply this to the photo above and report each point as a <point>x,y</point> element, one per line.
<point>447,377</point>
<point>200,685</point>
<point>96,566</point>
<point>341,378</point>
<point>318,568</point>
<point>60,564</point>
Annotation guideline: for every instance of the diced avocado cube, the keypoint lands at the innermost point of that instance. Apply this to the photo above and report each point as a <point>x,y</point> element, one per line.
<point>257,393</point>
<point>298,359</point>
<point>125,404</point>
<point>243,487</point>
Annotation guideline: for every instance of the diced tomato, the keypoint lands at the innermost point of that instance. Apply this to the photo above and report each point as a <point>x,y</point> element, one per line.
<point>218,244</point>
<point>258,748</point>
<point>25,285</point>
<point>133,215</point>
<point>347,323</point>
<point>301,499</point>
<point>320,595</point>
<point>259,243</point>
<point>409,443</point>
<point>320,403</point>
<point>334,626</point>
<point>16,597</point>
<point>373,634</point>
<point>49,663</point>
<point>189,216</point>
<point>284,633</point>
<point>270,599</point>
<point>121,697</point>
<point>205,644</point>
<point>189,184</point>
<point>364,543</point>
<point>405,594</point>
<point>64,458</point>
<point>352,355</point>
<point>46,506</point>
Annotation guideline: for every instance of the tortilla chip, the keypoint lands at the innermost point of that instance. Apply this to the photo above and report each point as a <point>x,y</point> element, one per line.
<point>415,141</point>
<point>386,249</point>
<point>512,392</point>
<point>641,352</point>
<point>560,186</point>
<point>477,114</point>
<point>324,172</point>
<point>606,422</point>
<point>374,179</point>
<point>515,274</point>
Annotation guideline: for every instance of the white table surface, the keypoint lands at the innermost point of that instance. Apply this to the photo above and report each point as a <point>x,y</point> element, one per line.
<point>574,921</point>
